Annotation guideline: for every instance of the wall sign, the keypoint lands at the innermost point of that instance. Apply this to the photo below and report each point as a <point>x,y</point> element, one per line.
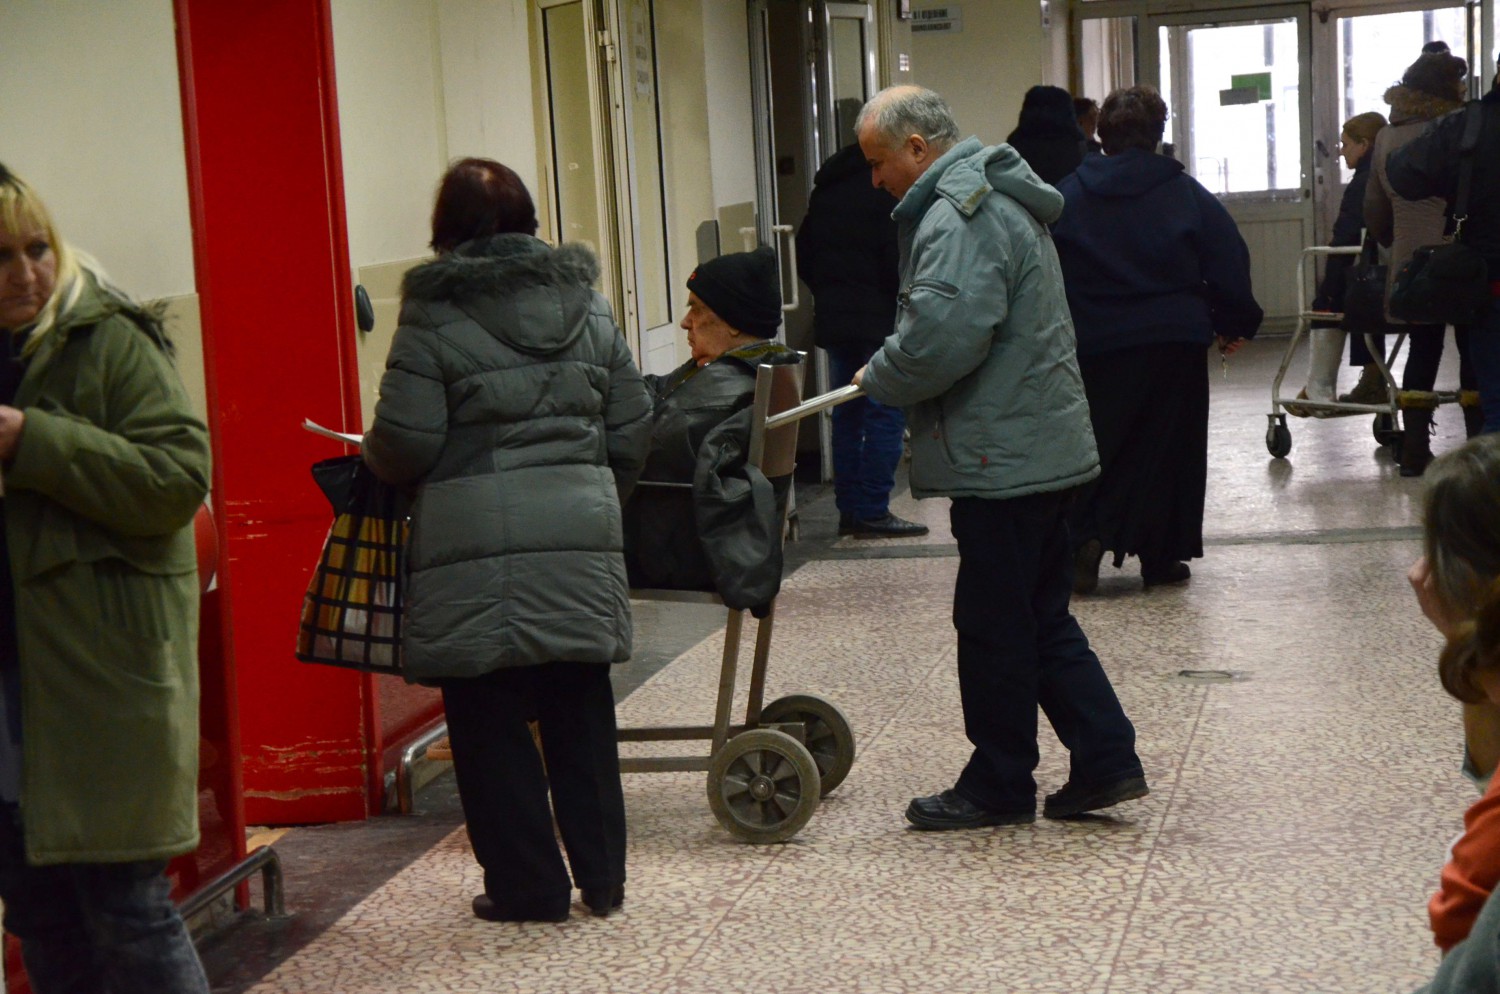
<point>947,19</point>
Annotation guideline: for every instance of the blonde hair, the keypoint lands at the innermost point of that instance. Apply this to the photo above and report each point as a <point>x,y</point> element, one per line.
<point>21,208</point>
<point>1364,127</point>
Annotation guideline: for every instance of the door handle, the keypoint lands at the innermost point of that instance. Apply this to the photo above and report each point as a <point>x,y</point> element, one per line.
<point>791,253</point>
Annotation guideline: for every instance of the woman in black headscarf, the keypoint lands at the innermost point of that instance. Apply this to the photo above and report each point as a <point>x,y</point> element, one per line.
<point>1047,135</point>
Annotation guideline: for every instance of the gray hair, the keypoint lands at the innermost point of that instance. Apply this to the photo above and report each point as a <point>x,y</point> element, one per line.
<point>898,111</point>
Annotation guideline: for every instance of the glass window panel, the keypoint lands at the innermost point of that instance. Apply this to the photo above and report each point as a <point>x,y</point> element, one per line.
<point>847,50</point>
<point>572,125</point>
<point>1109,55</point>
<point>1238,115</point>
<point>1375,49</point>
<point>650,198</point>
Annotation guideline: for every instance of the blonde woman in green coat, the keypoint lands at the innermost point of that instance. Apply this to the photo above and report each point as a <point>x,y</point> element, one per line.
<point>103,465</point>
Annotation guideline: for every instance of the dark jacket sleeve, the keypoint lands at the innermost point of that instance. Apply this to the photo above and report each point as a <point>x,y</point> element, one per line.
<point>1473,966</point>
<point>1225,265</point>
<point>1427,166</point>
<point>411,416</point>
<point>738,518</point>
<point>1347,229</point>
<point>627,419</point>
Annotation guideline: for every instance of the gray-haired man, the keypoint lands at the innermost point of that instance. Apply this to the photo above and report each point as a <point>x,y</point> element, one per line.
<point>983,357</point>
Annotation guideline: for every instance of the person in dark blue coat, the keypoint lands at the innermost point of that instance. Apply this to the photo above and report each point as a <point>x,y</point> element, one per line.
<point>1156,271</point>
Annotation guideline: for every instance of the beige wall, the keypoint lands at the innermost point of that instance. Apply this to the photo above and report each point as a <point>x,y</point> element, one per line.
<point>420,83</point>
<point>91,116</point>
<point>984,70</point>
<point>731,129</point>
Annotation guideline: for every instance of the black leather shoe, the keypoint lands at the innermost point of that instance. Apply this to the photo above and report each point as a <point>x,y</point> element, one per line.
<point>886,526</point>
<point>603,900</point>
<point>1075,799</point>
<point>950,810</point>
<point>490,910</point>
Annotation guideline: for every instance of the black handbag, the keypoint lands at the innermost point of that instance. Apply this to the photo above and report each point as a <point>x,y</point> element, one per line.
<point>352,613</point>
<point>1447,283</point>
<point>1364,292</point>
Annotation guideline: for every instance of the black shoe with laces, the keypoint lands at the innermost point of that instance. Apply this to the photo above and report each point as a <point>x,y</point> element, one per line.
<point>885,526</point>
<point>951,810</point>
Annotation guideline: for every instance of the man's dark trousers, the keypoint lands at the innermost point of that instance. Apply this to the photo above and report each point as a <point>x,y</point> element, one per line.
<point>1019,647</point>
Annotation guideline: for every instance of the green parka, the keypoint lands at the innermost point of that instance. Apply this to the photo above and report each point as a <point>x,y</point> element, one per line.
<point>510,400</point>
<point>100,499</point>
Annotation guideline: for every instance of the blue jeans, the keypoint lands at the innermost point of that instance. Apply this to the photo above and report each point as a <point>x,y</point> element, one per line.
<point>87,928</point>
<point>866,441</point>
<point>1020,648</point>
<point>1484,353</point>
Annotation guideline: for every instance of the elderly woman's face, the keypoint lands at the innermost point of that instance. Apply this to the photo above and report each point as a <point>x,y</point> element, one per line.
<point>28,273</point>
<point>708,336</point>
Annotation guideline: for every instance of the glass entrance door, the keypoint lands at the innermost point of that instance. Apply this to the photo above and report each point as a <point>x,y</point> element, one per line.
<point>1238,89</point>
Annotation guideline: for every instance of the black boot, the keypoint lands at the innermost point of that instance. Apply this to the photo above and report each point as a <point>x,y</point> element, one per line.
<point>1473,413</point>
<point>1416,445</point>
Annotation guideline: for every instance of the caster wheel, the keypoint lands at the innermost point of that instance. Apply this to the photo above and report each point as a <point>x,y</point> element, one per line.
<point>829,737</point>
<point>763,786</point>
<point>1278,439</point>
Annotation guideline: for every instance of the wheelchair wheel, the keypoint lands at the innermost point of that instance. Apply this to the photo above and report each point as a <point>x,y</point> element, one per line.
<point>1278,438</point>
<point>829,736</point>
<point>763,786</point>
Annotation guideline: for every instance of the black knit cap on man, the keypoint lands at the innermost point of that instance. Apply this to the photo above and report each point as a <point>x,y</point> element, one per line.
<point>742,288</point>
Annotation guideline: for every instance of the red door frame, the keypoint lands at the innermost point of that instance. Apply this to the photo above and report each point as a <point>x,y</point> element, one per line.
<point>265,181</point>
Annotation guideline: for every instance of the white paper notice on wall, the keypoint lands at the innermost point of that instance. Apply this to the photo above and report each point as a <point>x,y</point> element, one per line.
<point>946,19</point>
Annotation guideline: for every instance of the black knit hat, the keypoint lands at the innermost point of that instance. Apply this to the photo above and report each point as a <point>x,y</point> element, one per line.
<point>743,288</point>
<point>1437,73</point>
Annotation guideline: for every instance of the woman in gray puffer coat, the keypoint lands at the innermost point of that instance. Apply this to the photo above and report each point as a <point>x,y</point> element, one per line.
<point>511,403</point>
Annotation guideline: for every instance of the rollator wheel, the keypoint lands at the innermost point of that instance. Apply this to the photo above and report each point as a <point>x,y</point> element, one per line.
<point>829,736</point>
<point>763,786</point>
<point>1278,440</point>
<point>1385,431</point>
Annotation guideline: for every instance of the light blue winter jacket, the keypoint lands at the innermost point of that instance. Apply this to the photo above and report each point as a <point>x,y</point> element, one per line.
<point>983,355</point>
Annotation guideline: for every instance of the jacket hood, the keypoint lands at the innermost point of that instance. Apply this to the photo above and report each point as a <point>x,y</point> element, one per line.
<point>969,171</point>
<point>99,299</point>
<point>1408,104</point>
<point>1047,112</point>
<point>516,287</point>
<point>845,162</point>
<point>1126,174</point>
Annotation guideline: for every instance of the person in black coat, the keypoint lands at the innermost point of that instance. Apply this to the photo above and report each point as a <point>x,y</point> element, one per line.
<point>847,256</point>
<point>1429,166</point>
<point>1356,139</point>
<point>1047,134</point>
<point>1156,271</point>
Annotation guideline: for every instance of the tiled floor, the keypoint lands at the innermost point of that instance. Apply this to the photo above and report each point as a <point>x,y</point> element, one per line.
<point>1298,816</point>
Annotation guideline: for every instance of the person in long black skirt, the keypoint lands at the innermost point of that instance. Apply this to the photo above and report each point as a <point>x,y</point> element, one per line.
<point>1156,272</point>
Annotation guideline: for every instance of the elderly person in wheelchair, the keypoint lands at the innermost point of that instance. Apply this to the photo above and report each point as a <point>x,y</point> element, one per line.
<point>701,518</point>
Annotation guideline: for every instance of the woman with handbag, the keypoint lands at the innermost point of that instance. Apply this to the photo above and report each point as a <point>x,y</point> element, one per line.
<point>1431,87</point>
<point>1326,340</point>
<point>511,404</point>
<point>103,465</point>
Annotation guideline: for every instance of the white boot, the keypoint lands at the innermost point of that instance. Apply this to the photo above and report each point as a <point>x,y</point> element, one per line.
<point>1325,353</point>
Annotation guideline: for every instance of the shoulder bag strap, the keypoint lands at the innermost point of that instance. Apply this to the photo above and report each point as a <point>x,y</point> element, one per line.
<point>1473,121</point>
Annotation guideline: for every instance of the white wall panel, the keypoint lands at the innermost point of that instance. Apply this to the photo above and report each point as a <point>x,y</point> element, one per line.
<point>91,115</point>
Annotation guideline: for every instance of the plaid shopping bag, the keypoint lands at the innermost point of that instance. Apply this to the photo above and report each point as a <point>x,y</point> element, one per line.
<point>351,615</point>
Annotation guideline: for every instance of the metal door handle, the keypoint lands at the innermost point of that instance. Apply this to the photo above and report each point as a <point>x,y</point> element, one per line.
<point>791,253</point>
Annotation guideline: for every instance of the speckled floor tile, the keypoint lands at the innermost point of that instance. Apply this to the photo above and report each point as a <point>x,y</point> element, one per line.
<point>1298,816</point>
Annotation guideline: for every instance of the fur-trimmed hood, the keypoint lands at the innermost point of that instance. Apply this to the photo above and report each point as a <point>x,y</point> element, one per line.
<point>1409,104</point>
<point>519,289</point>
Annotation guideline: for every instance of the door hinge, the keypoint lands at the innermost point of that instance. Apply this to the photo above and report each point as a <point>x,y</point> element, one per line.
<point>608,45</point>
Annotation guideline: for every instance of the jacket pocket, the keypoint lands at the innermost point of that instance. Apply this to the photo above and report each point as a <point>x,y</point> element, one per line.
<point>940,287</point>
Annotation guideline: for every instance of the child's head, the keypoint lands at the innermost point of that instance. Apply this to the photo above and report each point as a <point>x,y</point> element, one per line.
<point>1462,545</point>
